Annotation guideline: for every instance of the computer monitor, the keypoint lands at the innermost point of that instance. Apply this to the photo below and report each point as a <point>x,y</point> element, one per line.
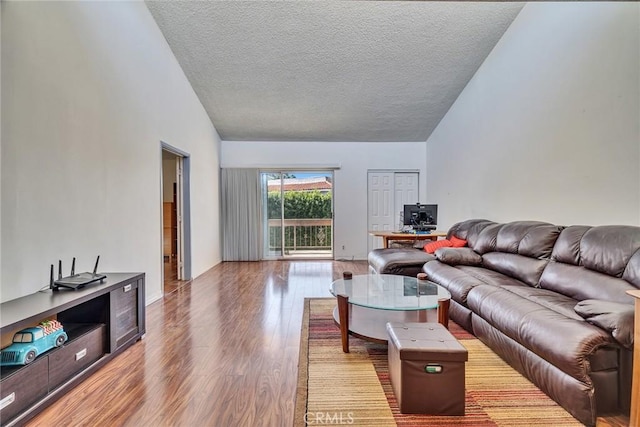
<point>421,217</point>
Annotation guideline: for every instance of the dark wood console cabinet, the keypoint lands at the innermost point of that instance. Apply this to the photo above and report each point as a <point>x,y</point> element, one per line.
<point>101,320</point>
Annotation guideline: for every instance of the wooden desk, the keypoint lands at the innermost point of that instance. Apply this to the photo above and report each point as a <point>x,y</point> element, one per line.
<point>634,416</point>
<point>388,236</point>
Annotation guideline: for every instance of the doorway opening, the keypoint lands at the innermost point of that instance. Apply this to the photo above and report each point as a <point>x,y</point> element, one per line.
<point>297,214</point>
<point>176,247</point>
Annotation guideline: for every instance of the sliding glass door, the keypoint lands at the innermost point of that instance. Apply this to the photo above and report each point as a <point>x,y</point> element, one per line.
<point>270,183</point>
<point>297,214</point>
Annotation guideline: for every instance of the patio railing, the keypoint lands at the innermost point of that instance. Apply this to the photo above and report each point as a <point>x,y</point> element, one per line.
<point>307,234</point>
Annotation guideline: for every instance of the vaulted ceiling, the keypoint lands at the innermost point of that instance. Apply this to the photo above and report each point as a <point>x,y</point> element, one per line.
<point>330,70</point>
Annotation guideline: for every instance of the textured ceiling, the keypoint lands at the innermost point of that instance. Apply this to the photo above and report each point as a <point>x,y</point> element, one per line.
<point>330,70</point>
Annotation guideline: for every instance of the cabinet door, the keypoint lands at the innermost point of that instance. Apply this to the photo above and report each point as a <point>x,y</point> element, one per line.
<point>124,314</point>
<point>24,387</point>
<point>67,361</point>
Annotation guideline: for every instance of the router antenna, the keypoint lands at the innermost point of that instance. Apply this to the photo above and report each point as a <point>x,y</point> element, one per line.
<point>51,285</point>
<point>73,266</point>
<point>95,268</point>
<point>59,269</point>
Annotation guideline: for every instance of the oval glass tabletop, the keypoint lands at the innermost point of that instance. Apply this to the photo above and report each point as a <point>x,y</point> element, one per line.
<point>390,292</point>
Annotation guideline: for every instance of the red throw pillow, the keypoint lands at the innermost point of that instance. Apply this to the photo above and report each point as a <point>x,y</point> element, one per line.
<point>457,243</point>
<point>433,246</point>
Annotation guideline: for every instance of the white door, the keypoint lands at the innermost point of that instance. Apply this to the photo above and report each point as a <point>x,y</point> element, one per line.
<point>388,192</point>
<point>379,205</point>
<point>405,192</point>
<point>179,217</point>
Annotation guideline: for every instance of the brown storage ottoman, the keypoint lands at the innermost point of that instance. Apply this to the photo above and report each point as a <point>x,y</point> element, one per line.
<point>426,368</point>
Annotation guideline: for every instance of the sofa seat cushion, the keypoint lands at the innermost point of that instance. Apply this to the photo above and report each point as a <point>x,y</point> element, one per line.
<point>459,280</point>
<point>401,261</point>
<point>523,314</point>
<point>549,299</point>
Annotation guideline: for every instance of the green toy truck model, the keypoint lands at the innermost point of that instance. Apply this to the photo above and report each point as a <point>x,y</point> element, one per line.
<point>29,343</point>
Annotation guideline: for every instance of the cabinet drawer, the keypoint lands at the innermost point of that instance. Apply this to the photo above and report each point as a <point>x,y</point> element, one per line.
<point>23,387</point>
<point>126,312</point>
<point>77,354</point>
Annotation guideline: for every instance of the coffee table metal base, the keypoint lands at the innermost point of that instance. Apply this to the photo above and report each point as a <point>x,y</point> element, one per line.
<point>371,324</point>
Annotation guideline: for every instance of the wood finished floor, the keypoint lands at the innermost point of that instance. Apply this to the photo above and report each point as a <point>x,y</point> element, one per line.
<point>221,350</point>
<point>171,282</point>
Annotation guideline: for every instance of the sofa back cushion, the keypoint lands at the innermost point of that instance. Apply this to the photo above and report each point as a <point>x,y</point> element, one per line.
<point>580,283</point>
<point>609,248</point>
<point>519,249</point>
<point>595,263</point>
<point>486,240</point>
<point>523,268</point>
<point>567,247</point>
<point>536,240</point>
<point>528,238</point>
<point>468,230</point>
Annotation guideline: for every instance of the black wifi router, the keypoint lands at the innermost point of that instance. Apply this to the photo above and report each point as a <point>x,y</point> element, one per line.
<point>75,281</point>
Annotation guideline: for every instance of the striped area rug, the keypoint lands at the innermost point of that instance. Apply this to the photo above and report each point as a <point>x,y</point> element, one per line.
<point>354,388</point>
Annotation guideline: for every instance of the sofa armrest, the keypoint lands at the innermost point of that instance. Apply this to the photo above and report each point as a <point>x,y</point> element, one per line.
<point>613,317</point>
<point>400,261</point>
<point>458,256</point>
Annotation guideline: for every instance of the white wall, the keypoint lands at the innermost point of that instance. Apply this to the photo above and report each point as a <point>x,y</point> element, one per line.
<point>1,8</point>
<point>350,186</point>
<point>89,89</point>
<point>548,128</point>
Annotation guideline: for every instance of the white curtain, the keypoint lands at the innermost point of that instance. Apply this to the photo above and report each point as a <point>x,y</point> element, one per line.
<point>241,206</point>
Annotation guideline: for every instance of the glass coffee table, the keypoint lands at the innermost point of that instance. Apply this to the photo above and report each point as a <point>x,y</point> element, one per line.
<point>367,302</point>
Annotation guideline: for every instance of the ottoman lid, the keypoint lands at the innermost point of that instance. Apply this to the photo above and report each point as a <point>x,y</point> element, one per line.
<point>422,341</point>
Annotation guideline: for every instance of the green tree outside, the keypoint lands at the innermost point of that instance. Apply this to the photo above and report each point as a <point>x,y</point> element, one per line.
<point>301,205</point>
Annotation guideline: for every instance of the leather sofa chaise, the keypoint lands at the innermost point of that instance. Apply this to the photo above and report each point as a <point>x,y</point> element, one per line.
<point>550,300</point>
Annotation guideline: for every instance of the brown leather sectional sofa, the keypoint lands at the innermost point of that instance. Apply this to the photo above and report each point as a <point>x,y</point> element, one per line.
<point>550,300</point>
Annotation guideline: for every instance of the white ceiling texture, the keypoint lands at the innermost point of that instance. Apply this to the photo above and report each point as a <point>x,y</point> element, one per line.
<point>330,70</point>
